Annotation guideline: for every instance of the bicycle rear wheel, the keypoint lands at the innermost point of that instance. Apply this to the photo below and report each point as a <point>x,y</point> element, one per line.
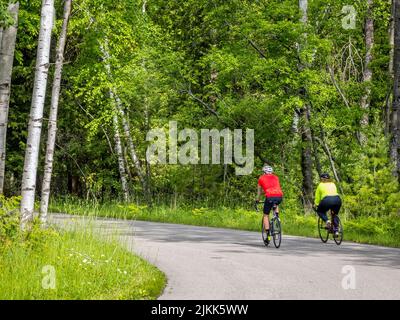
<point>339,238</point>
<point>276,232</point>
<point>322,230</point>
<point>264,233</point>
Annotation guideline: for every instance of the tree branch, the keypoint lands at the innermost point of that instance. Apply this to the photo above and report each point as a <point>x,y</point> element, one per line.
<point>339,90</point>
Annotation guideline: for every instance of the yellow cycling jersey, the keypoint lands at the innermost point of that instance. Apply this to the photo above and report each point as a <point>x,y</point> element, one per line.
<point>325,189</point>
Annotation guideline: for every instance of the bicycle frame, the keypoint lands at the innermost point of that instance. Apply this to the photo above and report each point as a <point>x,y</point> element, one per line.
<point>277,236</point>
<point>332,219</point>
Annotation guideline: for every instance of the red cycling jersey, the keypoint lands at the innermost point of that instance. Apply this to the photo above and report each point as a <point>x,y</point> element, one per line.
<point>270,185</point>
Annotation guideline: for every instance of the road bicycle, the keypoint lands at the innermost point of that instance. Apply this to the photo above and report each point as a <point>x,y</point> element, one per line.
<point>275,229</point>
<point>336,228</point>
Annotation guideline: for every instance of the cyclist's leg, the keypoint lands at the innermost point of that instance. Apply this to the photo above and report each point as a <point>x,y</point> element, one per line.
<point>322,209</point>
<point>266,222</point>
<point>335,207</point>
<point>274,203</point>
<point>267,209</point>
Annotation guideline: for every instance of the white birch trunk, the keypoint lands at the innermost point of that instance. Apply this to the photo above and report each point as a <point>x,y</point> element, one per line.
<point>36,115</point>
<point>120,155</point>
<point>303,5</point>
<point>117,137</point>
<point>125,124</point>
<point>131,145</point>
<point>144,7</point>
<point>7,49</point>
<point>52,129</point>
<point>367,76</point>
<point>1,35</point>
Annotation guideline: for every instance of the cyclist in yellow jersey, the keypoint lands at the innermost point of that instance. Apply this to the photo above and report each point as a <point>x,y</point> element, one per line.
<point>327,198</point>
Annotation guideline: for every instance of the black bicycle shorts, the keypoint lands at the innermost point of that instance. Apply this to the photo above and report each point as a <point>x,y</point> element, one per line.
<point>333,203</point>
<point>269,203</point>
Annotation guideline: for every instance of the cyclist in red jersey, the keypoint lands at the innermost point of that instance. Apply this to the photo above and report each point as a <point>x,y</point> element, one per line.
<point>269,184</point>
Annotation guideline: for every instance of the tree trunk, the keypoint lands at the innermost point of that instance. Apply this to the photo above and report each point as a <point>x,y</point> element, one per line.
<point>303,5</point>
<point>148,165</point>
<point>387,111</point>
<point>367,76</point>
<point>36,115</point>
<point>121,160</point>
<point>306,158</point>
<point>52,130</point>
<point>391,37</point>
<point>317,162</point>
<point>132,149</point>
<point>126,128</point>
<point>306,134</point>
<point>7,48</point>
<point>388,106</point>
<point>117,136</point>
<point>1,36</point>
<point>144,7</point>
<point>395,116</point>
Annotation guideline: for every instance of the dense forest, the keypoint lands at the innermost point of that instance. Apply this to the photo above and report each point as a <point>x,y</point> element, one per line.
<point>317,81</point>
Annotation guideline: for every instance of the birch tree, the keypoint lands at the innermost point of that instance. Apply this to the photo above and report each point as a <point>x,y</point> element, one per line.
<point>117,136</point>
<point>121,159</point>
<point>52,129</point>
<point>118,108</point>
<point>36,114</point>
<point>7,47</point>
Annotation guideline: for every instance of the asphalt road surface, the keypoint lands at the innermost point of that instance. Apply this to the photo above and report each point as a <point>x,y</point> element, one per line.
<point>222,264</point>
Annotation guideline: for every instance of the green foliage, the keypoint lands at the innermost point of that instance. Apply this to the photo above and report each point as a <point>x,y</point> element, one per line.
<point>373,191</point>
<point>9,219</point>
<point>249,61</point>
<point>86,266</point>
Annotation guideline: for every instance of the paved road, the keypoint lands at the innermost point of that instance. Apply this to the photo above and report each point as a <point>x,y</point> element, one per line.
<point>216,264</point>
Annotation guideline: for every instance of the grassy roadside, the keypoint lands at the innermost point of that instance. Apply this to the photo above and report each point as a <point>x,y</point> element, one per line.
<point>369,230</point>
<point>84,267</point>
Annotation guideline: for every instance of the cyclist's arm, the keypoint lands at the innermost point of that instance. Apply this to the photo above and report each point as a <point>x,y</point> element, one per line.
<point>317,195</point>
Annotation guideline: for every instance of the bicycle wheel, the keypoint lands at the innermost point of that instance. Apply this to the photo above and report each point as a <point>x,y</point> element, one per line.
<point>322,230</point>
<point>264,233</point>
<point>339,238</point>
<point>276,232</point>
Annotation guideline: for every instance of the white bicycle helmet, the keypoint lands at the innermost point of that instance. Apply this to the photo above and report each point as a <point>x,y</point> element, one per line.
<point>267,169</point>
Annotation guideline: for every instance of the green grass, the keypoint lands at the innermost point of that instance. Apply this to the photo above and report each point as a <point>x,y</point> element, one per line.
<point>85,267</point>
<point>384,231</point>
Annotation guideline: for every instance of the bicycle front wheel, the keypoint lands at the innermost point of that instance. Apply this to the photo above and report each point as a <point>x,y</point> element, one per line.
<point>322,230</point>
<point>276,232</point>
